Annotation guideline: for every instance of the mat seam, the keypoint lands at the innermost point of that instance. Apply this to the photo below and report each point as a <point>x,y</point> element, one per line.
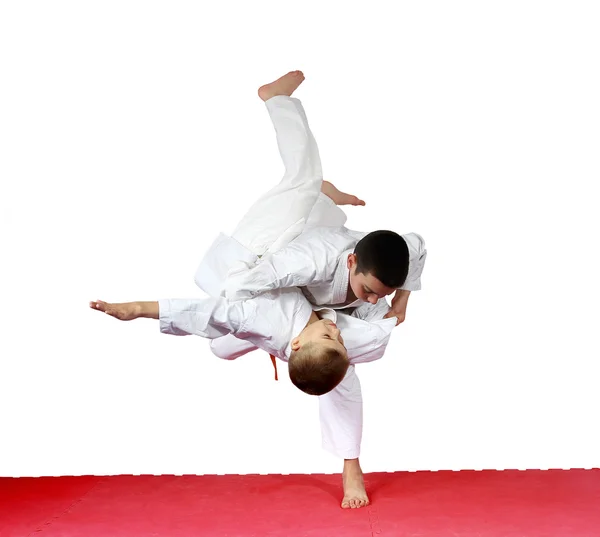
<point>53,519</point>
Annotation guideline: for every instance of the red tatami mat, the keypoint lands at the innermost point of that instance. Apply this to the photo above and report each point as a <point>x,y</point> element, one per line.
<point>533,503</point>
<point>27,503</point>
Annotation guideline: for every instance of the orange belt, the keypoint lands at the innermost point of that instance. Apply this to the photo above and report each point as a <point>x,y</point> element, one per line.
<point>274,365</point>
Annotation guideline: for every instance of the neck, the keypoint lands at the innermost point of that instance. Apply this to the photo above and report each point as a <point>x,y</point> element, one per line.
<point>313,319</point>
<point>350,296</point>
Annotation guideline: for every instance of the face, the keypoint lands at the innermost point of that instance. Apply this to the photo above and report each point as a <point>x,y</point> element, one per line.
<point>365,286</point>
<point>323,332</point>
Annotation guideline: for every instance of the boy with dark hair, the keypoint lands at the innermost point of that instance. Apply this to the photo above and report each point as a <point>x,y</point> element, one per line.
<point>384,255</point>
<point>338,267</point>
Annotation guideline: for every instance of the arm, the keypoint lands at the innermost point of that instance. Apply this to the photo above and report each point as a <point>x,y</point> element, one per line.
<point>399,303</point>
<point>302,262</point>
<point>418,255</point>
<point>366,333</point>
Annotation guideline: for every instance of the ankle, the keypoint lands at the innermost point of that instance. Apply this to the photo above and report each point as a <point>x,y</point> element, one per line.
<point>351,465</point>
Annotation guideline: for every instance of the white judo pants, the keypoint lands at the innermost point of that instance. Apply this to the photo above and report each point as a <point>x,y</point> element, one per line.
<point>279,216</point>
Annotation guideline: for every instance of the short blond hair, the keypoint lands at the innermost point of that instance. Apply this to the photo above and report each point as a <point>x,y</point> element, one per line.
<point>317,369</point>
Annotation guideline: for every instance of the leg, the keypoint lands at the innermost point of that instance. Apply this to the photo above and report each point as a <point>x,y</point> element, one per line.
<point>281,214</point>
<point>230,348</point>
<point>325,213</point>
<point>355,494</point>
<point>339,197</point>
<point>341,426</point>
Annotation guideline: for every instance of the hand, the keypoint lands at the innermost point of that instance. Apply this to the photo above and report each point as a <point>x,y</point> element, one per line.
<point>126,311</point>
<point>400,316</point>
<point>399,304</point>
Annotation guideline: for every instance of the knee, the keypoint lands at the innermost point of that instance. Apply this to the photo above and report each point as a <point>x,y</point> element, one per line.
<point>221,351</point>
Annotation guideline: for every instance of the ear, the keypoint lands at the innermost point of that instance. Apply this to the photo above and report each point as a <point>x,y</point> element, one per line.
<point>296,344</point>
<point>351,261</point>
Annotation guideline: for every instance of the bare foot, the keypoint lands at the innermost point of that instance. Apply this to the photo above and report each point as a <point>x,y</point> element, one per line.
<point>125,312</point>
<point>355,495</point>
<point>339,197</point>
<point>285,85</point>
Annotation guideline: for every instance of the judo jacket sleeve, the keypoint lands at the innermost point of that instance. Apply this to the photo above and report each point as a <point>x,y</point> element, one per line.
<point>418,255</point>
<point>303,262</point>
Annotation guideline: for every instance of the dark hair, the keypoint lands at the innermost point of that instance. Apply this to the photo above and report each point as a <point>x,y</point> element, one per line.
<point>316,369</point>
<point>384,254</point>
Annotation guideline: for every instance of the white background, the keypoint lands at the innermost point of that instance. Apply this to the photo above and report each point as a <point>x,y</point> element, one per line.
<point>131,134</point>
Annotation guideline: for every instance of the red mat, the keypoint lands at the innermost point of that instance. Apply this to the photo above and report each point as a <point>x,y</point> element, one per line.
<point>533,503</point>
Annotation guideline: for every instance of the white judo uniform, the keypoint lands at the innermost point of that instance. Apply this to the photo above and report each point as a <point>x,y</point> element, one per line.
<point>270,321</point>
<point>316,261</point>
